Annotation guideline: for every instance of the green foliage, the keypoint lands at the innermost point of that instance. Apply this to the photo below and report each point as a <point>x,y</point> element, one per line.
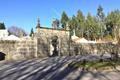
<point>108,37</point>
<point>2,26</point>
<point>113,18</point>
<point>92,29</point>
<point>94,64</point>
<point>64,20</point>
<point>113,23</point>
<point>80,24</point>
<point>32,32</point>
<point>101,19</point>
<point>72,23</point>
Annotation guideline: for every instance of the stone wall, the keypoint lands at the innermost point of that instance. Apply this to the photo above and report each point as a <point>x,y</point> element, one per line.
<point>40,47</point>
<point>26,48</point>
<point>19,49</point>
<point>8,48</point>
<point>90,48</point>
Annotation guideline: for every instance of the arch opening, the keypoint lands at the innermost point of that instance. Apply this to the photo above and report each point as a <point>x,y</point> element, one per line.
<point>54,46</point>
<point>2,56</point>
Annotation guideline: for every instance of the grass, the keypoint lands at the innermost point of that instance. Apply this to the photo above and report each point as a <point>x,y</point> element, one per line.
<point>94,64</point>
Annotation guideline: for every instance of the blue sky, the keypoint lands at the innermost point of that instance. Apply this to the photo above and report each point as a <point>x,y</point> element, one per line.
<point>24,13</point>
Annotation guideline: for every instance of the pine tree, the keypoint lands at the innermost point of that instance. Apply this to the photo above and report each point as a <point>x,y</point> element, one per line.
<point>2,26</point>
<point>80,23</point>
<point>32,32</point>
<point>64,20</point>
<point>113,23</point>
<point>101,19</point>
<point>91,30</point>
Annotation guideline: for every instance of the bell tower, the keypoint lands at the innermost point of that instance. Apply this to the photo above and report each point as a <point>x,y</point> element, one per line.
<point>38,26</point>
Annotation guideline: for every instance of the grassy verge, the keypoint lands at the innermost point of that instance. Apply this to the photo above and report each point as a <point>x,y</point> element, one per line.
<point>94,64</point>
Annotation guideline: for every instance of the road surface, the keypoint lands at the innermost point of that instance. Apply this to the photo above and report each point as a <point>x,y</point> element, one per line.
<point>54,68</point>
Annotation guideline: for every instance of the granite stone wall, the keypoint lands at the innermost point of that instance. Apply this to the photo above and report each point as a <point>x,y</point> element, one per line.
<point>18,49</point>
<point>40,47</point>
<point>90,48</point>
<point>8,48</point>
<point>26,48</point>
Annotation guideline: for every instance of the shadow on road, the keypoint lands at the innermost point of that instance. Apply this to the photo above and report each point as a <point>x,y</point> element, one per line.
<point>54,68</point>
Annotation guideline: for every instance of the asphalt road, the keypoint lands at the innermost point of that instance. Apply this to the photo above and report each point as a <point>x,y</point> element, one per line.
<point>54,68</point>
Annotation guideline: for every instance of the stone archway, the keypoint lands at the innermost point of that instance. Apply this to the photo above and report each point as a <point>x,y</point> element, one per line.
<point>54,46</point>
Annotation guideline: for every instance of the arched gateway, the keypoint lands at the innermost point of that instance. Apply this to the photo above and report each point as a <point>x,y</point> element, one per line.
<point>51,41</point>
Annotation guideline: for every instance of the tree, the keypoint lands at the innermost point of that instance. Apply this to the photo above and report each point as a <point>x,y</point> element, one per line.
<point>100,14</point>
<point>19,32</point>
<point>91,29</point>
<point>101,18</point>
<point>113,23</point>
<point>32,32</point>
<point>64,19</point>
<point>80,23</point>
<point>2,26</point>
<point>72,24</point>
